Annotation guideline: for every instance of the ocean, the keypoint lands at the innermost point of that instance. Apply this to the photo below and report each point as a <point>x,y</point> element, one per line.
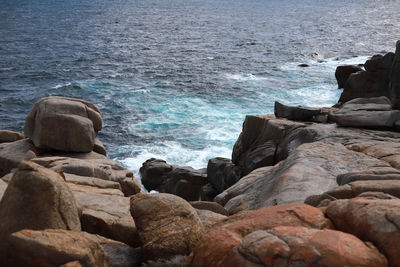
<point>174,79</point>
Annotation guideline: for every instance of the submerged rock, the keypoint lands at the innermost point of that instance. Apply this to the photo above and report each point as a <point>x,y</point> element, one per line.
<point>64,124</point>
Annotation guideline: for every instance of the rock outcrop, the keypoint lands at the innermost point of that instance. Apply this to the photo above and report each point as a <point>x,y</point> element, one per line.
<point>64,124</point>
<point>222,173</point>
<point>167,225</point>
<point>343,73</point>
<point>298,113</point>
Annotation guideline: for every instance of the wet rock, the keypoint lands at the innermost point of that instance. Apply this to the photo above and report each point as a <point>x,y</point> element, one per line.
<point>185,182</point>
<point>303,65</point>
<point>208,205</point>
<point>11,154</point>
<point>167,225</point>
<point>288,246</point>
<point>343,72</point>
<point>311,169</point>
<point>105,212</point>
<point>370,219</point>
<point>64,124</point>
<point>295,113</point>
<point>228,233</point>
<point>222,173</point>
<point>10,136</point>
<point>366,112</point>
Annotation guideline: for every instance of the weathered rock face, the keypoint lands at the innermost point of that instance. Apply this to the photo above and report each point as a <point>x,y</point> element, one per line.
<point>385,173</point>
<point>208,218</point>
<point>290,246</point>
<point>3,187</point>
<point>185,182</point>
<point>64,124</point>
<point>256,145</point>
<point>366,112</point>
<point>394,85</point>
<point>227,234</point>
<point>222,173</point>
<point>343,72</point>
<point>209,205</point>
<point>37,198</point>
<point>11,154</point>
<point>311,169</point>
<point>105,212</point>
<point>370,219</point>
<point>54,248</point>
<point>374,82</point>
<point>167,225</point>
<point>10,136</point>
<point>297,113</point>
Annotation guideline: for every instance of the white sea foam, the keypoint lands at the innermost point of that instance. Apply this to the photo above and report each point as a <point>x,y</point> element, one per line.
<point>245,77</point>
<point>61,85</point>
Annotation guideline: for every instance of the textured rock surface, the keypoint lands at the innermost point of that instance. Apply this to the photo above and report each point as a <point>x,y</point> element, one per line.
<point>295,113</point>
<point>209,205</point>
<point>10,136</point>
<point>153,173</point>
<point>311,169</point>
<point>227,234</point>
<point>385,173</point>
<point>370,219</point>
<point>366,112</point>
<point>343,72</point>
<point>11,154</point>
<point>37,198</point>
<point>222,173</point>
<point>208,218</point>
<point>3,187</point>
<point>167,225</point>
<point>106,212</point>
<point>54,248</point>
<point>292,246</point>
<point>64,124</point>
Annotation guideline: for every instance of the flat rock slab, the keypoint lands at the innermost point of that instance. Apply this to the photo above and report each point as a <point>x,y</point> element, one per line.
<point>105,212</point>
<point>311,169</point>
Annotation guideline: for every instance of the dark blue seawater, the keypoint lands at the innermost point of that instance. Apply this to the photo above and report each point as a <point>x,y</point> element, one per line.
<point>175,78</point>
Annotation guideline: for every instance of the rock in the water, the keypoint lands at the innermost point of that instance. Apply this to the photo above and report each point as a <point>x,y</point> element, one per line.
<point>222,173</point>
<point>105,212</point>
<point>10,136</point>
<point>167,225</point>
<point>374,82</point>
<point>64,124</point>
<point>394,85</point>
<point>370,219</point>
<point>311,169</point>
<point>37,198</point>
<point>366,112</point>
<point>292,246</point>
<point>343,72</point>
<point>228,233</point>
<point>185,182</point>
<point>11,154</point>
<point>298,113</point>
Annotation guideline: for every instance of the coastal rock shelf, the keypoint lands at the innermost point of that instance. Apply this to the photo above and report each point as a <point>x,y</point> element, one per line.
<point>304,187</point>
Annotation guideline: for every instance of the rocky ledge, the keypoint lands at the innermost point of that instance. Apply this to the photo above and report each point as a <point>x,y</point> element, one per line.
<point>304,187</point>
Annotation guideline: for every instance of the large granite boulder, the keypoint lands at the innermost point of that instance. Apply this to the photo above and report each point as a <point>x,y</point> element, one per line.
<point>105,211</point>
<point>64,124</point>
<point>311,169</point>
<point>366,112</point>
<point>227,234</point>
<point>209,205</point>
<point>370,219</point>
<point>167,225</point>
<point>343,72</point>
<point>301,246</point>
<point>222,173</point>
<point>36,198</point>
<point>374,82</point>
<point>295,113</point>
<point>55,247</point>
<point>10,136</point>
<point>11,154</point>
<point>257,143</point>
<point>182,181</point>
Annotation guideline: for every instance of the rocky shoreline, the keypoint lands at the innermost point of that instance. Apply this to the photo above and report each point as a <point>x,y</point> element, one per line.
<point>304,187</point>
